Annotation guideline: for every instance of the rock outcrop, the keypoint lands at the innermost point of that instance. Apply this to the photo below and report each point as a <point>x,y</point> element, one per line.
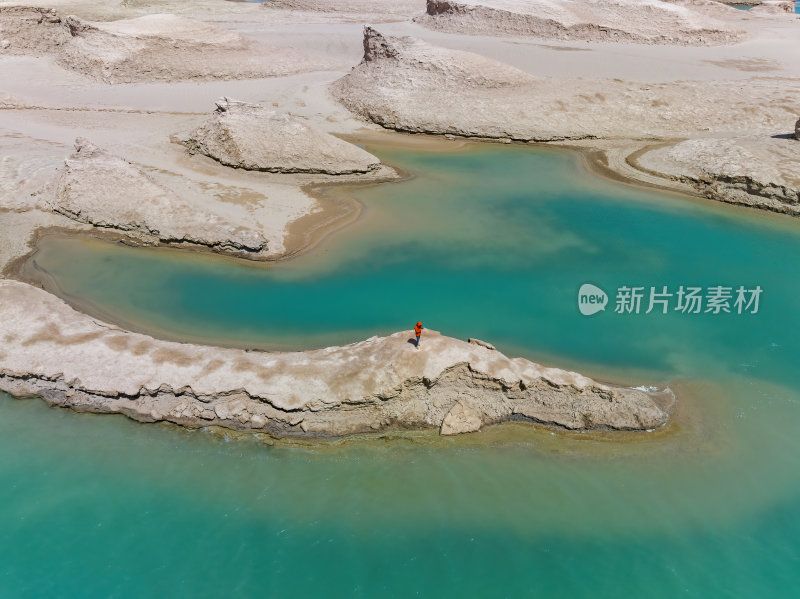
<point>773,8</point>
<point>72,360</point>
<point>626,21</point>
<point>762,172</point>
<point>31,31</point>
<point>460,419</point>
<point>406,84</point>
<point>251,137</point>
<point>170,48</point>
<point>158,47</point>
<point>797,130</point>
<point>103,190</point>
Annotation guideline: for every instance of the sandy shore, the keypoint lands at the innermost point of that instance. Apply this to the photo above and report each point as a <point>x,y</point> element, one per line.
<point>694,97</point>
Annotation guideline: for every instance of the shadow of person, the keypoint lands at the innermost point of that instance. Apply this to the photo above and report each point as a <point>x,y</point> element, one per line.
<point>413,341</point>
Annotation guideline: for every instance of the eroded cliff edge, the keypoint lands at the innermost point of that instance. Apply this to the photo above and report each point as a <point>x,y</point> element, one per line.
<point>383,383</point>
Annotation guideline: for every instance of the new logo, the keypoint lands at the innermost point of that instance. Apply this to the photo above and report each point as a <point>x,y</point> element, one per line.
<point>591,299</point>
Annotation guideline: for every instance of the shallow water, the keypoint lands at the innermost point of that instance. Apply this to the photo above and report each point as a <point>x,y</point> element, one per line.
<point>491,242</point>
<point>749,6</point>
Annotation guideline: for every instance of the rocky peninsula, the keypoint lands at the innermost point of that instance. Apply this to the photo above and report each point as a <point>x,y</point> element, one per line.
<point>72,360</point>
<point>107,192</point>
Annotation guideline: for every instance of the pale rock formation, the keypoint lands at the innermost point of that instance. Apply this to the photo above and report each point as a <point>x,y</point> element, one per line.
<point>72,360</point>
<point>31,30</point>
<point>460,419</point>
<point>251,137</point>
<point>763,172</point>
<point>627,21</point>
<point>773,8</point>
<point>158,47</point>
<point>168,47</point>
<point>409,85</point>
<point>103,190</point>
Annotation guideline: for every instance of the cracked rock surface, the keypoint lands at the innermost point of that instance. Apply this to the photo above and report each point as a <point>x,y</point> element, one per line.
<point>251,137</point>
<point>758,171</point>
<point>103,190</point>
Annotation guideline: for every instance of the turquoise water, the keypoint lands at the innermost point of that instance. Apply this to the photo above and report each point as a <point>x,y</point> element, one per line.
<point>98,506</point>
<point>491,242</point>
<point>748,7</point>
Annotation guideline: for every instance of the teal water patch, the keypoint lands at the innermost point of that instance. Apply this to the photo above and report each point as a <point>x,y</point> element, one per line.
<point>114,508</point>
<point>492,242</point>
<point>749,6</point>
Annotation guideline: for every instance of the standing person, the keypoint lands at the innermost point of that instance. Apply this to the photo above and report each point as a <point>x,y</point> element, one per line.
<point>418,332</point>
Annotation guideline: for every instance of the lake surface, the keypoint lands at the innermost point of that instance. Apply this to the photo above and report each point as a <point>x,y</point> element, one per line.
<point>491,242</point>
<point>749,6</point>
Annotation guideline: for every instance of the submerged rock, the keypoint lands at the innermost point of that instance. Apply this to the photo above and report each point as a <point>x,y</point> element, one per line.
<point>103,190</point>
<point>72,360</point>
<point>251,137</point>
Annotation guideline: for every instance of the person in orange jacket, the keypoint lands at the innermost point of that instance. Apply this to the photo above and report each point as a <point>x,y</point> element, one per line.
<point>418,332</point>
